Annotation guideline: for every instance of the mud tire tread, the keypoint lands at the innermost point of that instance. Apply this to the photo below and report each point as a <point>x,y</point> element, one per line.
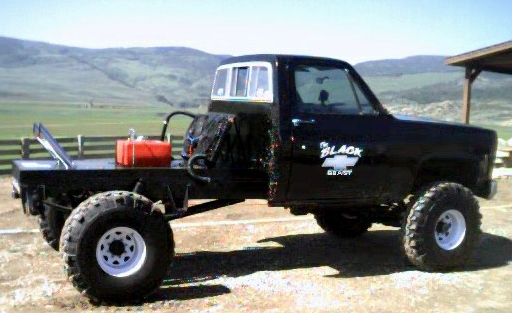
<point>336,224</point>
<point>415,235</point>
<point>50,225</point>
<point>77,223</point>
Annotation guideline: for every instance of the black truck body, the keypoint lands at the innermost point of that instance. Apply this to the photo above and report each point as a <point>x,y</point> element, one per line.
<point>399,154</point>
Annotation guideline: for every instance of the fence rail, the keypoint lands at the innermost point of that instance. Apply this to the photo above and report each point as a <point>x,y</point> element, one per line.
<point>79,147</point>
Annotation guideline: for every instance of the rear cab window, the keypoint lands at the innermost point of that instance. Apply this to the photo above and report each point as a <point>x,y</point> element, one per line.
<point>247,81</point>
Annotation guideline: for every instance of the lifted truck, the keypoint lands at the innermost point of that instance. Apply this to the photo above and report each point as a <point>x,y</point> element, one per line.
<point>304,133</point>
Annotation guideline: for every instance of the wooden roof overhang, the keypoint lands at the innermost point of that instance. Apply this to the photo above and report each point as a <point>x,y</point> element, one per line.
<point>496,58</point>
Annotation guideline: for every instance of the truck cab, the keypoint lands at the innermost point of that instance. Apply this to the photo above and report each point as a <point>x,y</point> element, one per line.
<point>329,127</point>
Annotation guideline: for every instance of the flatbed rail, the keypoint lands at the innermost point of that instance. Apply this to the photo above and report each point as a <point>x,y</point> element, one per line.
<point>78,147</point>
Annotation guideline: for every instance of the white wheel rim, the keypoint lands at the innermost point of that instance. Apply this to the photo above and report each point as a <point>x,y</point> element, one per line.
<point>450,230</point>
<point>121,251</point>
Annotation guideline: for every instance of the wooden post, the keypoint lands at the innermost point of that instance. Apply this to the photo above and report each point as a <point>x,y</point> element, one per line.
<point>469,77</point>
<point>466,96</point>
<point>81,147</point>
<point>25,148</point>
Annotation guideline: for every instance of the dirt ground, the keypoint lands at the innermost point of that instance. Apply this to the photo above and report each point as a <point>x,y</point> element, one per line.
<point>250,257</point>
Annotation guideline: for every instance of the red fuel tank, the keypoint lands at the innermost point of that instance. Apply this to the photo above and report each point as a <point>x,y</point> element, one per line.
<point>148,153</point>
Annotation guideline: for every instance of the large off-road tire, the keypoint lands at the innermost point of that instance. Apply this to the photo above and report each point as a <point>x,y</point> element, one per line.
<point>51,222</point>
<point>116,248</point>
<point>342,226</point>
<point>442,227</point>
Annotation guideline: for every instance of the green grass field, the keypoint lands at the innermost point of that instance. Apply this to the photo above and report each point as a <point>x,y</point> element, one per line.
<point>65,120</point>
<point>16,120</point>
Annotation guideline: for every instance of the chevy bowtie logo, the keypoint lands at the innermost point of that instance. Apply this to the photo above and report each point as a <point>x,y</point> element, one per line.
<point>340,162</point>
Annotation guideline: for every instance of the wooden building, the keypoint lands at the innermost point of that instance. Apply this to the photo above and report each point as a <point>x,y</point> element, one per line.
<point>497,58</point>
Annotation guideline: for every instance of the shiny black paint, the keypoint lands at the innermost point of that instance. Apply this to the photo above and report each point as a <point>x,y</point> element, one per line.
<point>103,175</point>
<point>401,154</point>
<point>394,152</point>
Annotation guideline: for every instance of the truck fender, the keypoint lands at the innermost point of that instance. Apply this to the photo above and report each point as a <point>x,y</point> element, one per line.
<point>462,168</point>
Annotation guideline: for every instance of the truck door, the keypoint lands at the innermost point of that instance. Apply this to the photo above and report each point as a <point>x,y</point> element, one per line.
<point>339,139</point>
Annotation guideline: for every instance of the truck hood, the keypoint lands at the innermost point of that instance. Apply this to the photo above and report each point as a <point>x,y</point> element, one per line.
<point>463,127</point>
<point>425,119</point>
<point>434,121</point>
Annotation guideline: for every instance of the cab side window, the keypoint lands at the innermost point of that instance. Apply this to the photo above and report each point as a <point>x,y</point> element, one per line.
<point>328,90</point>
<point>259,87</point>
<point>220,82</point>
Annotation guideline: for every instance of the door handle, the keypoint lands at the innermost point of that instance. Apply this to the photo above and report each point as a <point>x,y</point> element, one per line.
<point>298,121</point>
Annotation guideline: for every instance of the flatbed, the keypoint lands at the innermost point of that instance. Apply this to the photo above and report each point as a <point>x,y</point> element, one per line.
<point>102,174</point>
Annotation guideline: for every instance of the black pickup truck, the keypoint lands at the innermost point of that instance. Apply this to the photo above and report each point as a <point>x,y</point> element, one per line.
<point>304,133</point>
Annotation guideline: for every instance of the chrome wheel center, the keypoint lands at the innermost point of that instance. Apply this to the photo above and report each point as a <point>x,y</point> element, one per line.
<point>450,230</point>
<point>121,251</point>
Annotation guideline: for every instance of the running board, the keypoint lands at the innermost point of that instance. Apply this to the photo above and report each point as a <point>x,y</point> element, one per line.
<point>203,207</point>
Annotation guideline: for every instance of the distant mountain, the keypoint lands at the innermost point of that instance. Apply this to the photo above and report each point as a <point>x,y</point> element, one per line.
<point>410,65</point>
<point>32,70</point>
<point>407,85</point>
<point>40,72</point>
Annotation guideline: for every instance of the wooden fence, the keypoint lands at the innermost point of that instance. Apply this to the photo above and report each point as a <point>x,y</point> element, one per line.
<point>79,148</point>
<point>97,147</point>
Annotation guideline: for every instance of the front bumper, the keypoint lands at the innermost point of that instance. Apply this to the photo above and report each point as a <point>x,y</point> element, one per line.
<point>486,189</point>
<point>493,189</point>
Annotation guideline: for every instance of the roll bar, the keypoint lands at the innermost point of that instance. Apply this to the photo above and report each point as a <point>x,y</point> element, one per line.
<point>168,117</point>
<point>52,146</point>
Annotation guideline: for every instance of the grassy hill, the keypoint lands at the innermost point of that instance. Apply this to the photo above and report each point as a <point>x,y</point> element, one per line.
<point>35,71</point>
<point>51,83</point>
<point>426,79</point>
<point>424,86</point>
<point>411,65</point>
<point>41,72</point>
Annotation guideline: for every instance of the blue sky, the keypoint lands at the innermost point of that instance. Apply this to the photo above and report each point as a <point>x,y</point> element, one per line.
<point>355,31</point>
